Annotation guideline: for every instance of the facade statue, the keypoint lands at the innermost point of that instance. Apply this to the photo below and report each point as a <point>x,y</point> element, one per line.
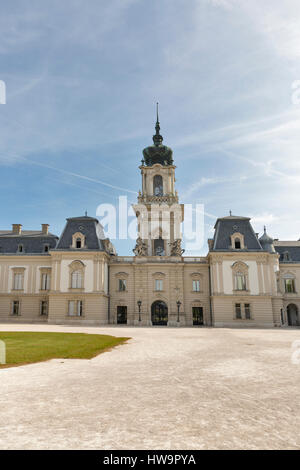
<point>141,248</point>
<point>176,249</point>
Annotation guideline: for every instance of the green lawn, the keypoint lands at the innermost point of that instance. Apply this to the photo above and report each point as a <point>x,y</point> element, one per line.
<point>28,347</point>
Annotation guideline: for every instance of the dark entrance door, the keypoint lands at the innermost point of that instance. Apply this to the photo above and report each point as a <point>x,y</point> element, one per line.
<point>197,315</point>
<point>293,315</point>
<point>122,315</point>
<point>159,313</point>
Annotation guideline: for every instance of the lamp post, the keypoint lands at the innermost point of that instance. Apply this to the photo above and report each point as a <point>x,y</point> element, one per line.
<point>139,302</point>
<point>178,308</point>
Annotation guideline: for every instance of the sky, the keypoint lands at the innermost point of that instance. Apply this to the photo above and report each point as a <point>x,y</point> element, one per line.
<point>82,80</point>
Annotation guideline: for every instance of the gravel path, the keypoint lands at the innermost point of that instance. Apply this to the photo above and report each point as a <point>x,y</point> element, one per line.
<point>167,388</point>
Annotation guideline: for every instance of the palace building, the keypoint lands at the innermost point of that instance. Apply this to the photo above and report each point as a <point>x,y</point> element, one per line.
<point>77,278</point>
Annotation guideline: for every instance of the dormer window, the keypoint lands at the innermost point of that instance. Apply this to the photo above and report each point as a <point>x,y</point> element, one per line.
<point>46,248</point>
<point>20,249</point>
<point>78,241</point>
<point>237,241</point>
<point>237,244</point>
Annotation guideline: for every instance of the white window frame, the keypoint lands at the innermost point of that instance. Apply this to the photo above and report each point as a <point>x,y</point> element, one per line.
<point>18,281</point>
<point>122,285</point>
<point>159,285</point>
<point>196,285</point>
<point>75,308</point>
<point>46,281</point>
<point>76,279</point>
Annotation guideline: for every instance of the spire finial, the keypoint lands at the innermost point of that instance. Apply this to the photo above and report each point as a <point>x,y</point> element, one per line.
<point>230,213</point>
<point>265,229</point>
<point>157,138</point>
<point>85,213</point>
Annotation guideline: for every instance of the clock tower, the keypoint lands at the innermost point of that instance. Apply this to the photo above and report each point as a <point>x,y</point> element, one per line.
<point>158,211</point>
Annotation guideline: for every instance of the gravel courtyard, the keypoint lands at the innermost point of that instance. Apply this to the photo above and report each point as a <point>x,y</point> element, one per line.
<point>167,388</point>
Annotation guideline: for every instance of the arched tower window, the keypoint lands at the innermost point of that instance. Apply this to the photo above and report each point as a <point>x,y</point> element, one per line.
<point>158,189</point>
<point>159,247</point>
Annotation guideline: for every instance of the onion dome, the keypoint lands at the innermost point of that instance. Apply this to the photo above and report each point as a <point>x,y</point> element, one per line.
<point>157,153</point>
<point>267,242</point>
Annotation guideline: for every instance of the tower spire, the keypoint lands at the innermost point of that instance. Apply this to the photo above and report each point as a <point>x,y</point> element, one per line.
<point>157,138</point>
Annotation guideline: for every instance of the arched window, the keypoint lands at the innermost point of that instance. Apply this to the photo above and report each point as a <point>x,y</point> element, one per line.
<point>158,189</point>
<point>159,247</point>
<point>76,282</point>
<point>237,241</point>
<point>78,240</point>
<point>240,276</point>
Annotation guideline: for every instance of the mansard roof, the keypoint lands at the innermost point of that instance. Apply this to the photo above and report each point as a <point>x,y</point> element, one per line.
<point>89,227</point>
<point>289,251</point>
<point>227,226</point>
<point>32,241</point>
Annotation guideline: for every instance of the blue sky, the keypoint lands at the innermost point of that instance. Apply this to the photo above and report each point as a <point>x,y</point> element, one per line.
<point>82,81</point>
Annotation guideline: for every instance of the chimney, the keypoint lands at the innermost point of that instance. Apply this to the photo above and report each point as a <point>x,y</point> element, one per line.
<point>45,229</point>
<point>17,228</point>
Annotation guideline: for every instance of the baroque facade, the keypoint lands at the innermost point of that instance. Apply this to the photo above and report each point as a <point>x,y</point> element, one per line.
<point>244,280</point>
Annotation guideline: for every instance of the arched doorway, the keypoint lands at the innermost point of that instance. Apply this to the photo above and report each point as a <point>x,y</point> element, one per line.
<point>293,315</point>
<point>159,313</point>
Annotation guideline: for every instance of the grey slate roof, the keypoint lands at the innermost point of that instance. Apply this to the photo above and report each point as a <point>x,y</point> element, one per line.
<point>293,250</point>
<point>33,242</point>
<point>89,227</point>
<point>227,226</point>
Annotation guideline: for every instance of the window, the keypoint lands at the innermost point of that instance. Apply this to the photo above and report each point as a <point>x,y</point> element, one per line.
<point>75,308</point>
<point>289,286</point>
<point>20,249</point>
<point>46,248</point>
<point>158,284</point>
<point>238,311</point>
<point>158,185</point>
<point>16,307</point>
<point>76,280</point>
<point>159,247</point>
<point>240,281</point>
<point>122,285</point>
<point>45,281</point>
<point>78,243</point>
<point>196,286</point>
<point>44,308</point>
<point>18,281</point>
<point>247,312</point>
<point>237,244</point>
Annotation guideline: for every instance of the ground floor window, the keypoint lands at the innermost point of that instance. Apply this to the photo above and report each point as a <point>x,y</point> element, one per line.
<point>197,316</point>
<point>238,311</point>
<point>44,308</point>
<point>122,315</point>
<point>75,308</point>
<point>16,307</point>
<point>243,311</point>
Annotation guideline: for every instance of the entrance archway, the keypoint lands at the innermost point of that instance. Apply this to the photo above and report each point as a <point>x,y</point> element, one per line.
<point>159,313</point>
<point>293,315</point>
